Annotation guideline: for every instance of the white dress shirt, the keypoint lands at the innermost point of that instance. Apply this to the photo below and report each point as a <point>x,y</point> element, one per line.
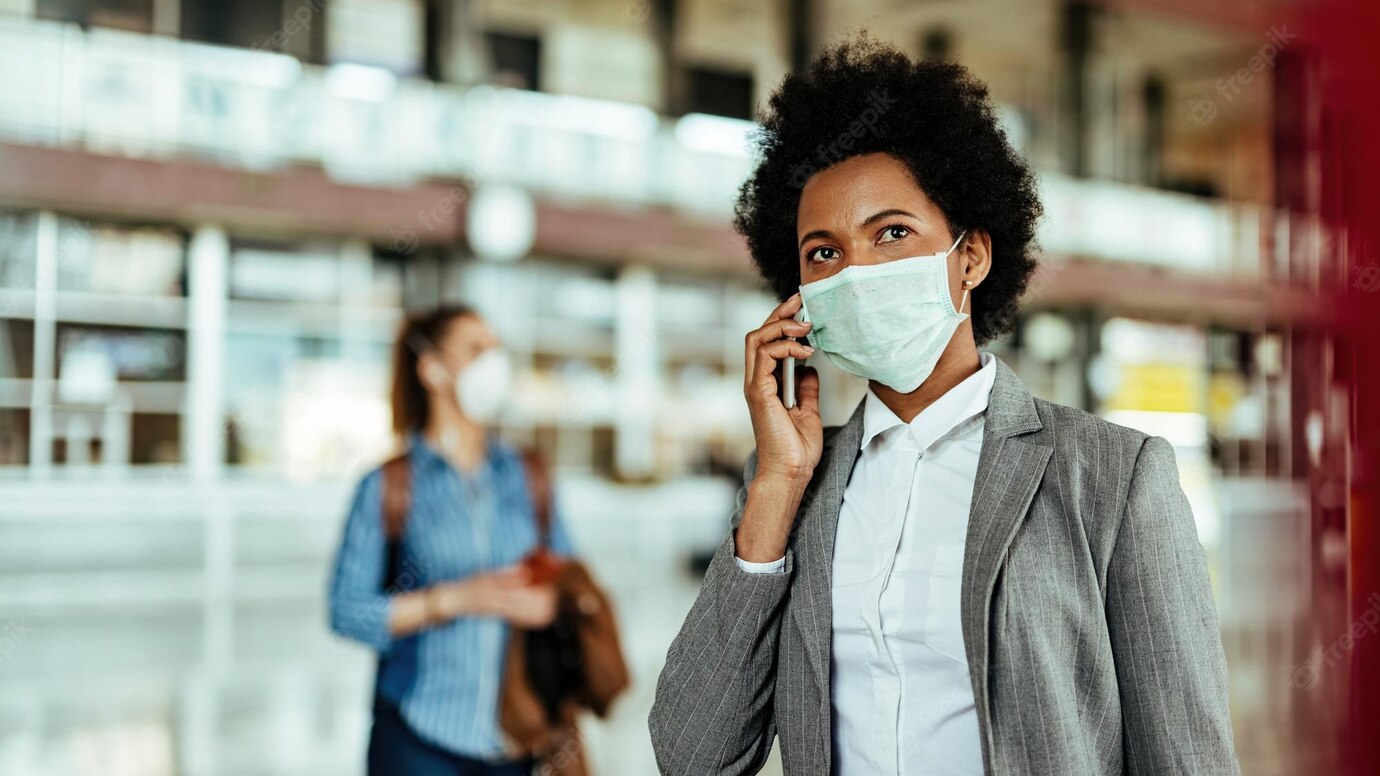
<point>899,687</point>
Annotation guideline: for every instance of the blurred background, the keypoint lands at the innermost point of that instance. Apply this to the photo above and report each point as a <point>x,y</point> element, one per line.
<point>213,216</point>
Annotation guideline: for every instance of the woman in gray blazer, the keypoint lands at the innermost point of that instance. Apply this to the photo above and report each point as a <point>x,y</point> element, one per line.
<point>962,579</point>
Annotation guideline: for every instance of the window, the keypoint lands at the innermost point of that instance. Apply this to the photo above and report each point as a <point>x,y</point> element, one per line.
<point>132,15</point>
<point>516,60</point>
<point>249,23</point>
<point>719,92</point>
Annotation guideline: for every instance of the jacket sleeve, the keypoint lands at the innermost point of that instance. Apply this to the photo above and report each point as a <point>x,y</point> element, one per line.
<point>1170,665</point>
<point>712,715</point>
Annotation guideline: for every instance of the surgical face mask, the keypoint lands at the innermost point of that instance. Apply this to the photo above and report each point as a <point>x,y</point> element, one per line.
<point>483,386</point>
<point>885,322</point>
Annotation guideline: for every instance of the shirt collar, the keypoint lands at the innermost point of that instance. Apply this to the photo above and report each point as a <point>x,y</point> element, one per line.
<point>420,451</point>
<point>423,453</point>
<point>961,402</point>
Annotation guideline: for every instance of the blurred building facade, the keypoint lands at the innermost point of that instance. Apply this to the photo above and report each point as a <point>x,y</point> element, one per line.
<point>215,215</point>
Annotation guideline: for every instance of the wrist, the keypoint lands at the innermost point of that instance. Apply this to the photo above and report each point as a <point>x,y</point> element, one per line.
<point>770,511</point>
<point>449,600</point>
<point>783,479</point>
<point>431,605</point>
<point>781,482</point>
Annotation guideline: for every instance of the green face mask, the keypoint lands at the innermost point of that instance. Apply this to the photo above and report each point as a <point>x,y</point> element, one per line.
<point>885,322</point>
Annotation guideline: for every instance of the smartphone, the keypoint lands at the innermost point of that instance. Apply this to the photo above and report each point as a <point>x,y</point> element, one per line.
<point>788,370</point>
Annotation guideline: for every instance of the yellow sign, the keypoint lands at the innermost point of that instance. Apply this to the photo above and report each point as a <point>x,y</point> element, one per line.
<point>1159,387</point>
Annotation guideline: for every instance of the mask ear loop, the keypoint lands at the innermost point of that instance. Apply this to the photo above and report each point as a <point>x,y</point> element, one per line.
<point>967,283</point>
<point>961,235</point>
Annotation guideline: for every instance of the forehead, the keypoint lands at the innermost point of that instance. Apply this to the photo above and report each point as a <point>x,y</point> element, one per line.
<point>857,187</point>
<point>466,328</point>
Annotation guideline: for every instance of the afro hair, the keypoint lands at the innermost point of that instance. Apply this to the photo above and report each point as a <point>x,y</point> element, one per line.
<point>863,97</point>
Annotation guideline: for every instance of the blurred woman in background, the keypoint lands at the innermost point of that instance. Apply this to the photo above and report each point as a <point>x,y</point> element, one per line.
<point>430,581</point>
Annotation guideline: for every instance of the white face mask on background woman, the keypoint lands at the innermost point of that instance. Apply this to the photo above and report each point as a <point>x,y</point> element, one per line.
<point>886,322</point>
<point>483,386</point>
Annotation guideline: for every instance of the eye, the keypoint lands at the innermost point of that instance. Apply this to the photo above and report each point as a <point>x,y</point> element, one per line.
<point>894,232</point>
<point>822,253</point>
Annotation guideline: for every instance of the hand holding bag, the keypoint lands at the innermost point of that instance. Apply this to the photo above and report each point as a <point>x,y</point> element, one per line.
<point>575,663</point>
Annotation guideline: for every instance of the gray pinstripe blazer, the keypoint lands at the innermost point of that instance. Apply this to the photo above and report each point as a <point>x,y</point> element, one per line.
<point>1090,628</point>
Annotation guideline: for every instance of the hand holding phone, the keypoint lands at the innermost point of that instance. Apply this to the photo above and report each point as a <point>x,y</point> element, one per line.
<point>784,407</point>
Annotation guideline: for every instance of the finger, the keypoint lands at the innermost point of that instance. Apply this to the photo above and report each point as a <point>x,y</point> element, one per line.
<point>769,332</point>
<point>786,309</point>
<point>787,327</point>
<point>749,357</point>
<point>807,390</point>
<point>770,353</point>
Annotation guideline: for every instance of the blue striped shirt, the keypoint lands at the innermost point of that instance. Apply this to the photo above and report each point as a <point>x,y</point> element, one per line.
<point>445,680</point>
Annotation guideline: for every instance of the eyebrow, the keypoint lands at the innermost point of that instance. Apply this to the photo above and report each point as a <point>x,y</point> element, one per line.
<point>872,219</point>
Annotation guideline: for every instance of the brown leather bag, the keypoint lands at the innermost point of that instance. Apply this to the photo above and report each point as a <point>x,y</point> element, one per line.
<point>550,674</point>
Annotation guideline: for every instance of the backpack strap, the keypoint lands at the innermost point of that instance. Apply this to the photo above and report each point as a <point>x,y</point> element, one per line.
<point>397,502</point>
<point>397,496</point>
<point>539,490</point>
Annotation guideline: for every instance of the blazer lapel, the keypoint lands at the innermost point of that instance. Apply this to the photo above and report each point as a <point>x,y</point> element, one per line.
<point>814,544</point>
<point>1010,467</point>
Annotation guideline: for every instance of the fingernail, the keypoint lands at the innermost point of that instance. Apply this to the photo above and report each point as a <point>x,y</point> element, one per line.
<point>809,349</point>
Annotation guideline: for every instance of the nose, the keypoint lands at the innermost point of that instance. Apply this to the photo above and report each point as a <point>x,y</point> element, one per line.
<point>862,251</point>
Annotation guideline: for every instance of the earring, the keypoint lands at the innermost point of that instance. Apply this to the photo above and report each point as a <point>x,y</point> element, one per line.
<point>967,284</point>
